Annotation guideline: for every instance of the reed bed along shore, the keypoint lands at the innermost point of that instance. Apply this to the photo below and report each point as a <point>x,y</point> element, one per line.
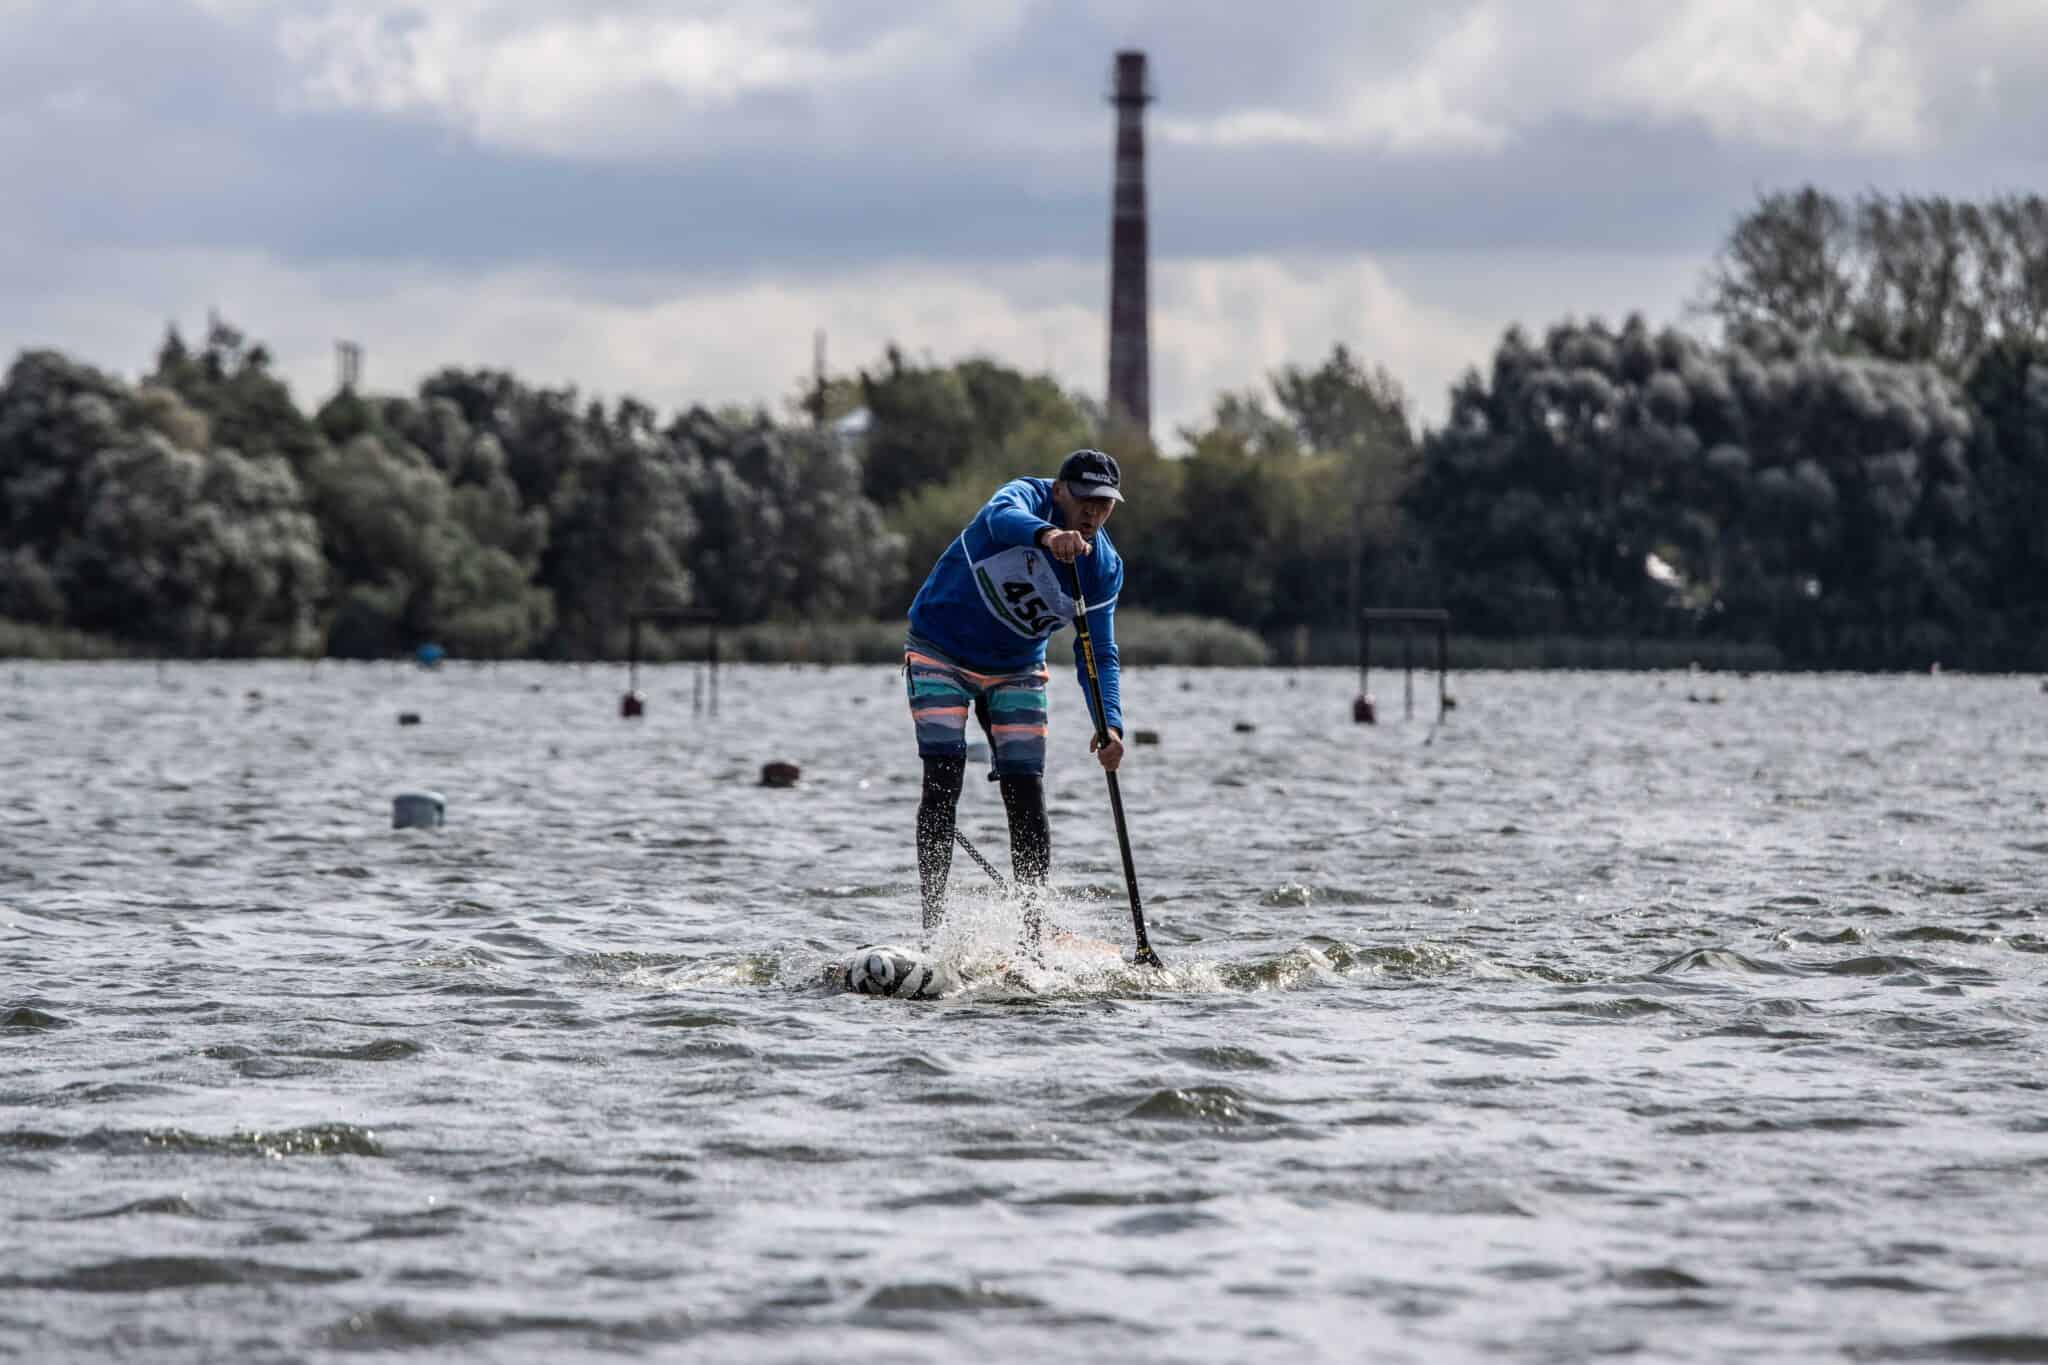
<point>1143,638</point>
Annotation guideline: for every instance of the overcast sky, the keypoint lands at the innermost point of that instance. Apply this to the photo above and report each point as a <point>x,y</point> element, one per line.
<point>669,199</point>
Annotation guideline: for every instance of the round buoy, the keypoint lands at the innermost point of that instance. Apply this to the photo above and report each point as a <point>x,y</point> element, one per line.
<point>1363,712</point>
<point>780,774</point>
<point>419,810</point>
<point>632,705</point>
<point>1144,736</point>
<point>408,718</point>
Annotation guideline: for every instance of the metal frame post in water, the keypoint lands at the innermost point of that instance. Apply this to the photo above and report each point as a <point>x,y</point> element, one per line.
<point>632,704</point>
<point>1406,618</point>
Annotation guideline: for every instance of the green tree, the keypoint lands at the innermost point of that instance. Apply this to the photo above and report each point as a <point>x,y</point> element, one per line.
<point>409,567</point>
<point>1359,422</point>
<point>784,527</point>
<point>228,381</point>
<point>921,428</point>
<point>1910,278</point>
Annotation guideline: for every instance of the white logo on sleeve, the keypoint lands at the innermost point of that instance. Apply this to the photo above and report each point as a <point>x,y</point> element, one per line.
<point>1020,589</point>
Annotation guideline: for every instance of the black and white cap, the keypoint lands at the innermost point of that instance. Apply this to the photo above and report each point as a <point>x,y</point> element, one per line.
<point>1091,474</point>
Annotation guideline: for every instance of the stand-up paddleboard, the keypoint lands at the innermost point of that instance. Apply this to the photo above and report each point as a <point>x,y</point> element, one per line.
<point>912,974</point>
<point>891,969</point>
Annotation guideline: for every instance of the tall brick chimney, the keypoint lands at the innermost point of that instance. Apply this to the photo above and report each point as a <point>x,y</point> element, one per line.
<point>1130,320</point>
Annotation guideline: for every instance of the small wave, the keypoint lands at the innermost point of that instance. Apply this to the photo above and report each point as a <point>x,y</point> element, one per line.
<point>684,1019</point>
<point>958,1197</point>
<point>1620,1009</point>
<point>1115,1198</point>
<point>1223,1058</point>
<point>1721,960</point>
<point>146,1274</point>
<point>1306,893</point>
<point>1936,933</point>
<point>338,1139</point>
<point>442,1221</point>
<point>1164,1223</point>
<point>1491,1047</point>
<point>1491,1080</point>
<point>1881,964</point>
<point>394,1328</point>
<point>1516,1272</point>
<point>1408,1196</point>
<point>930,1297</point>
<point>875,891</point>
<point>1851,935</point>
<point>170,1205</point>
<point>1215,1104</point>
<point>1021,1151</point>
<point>802,1154</point>
<point>1914,1031</point>
<point>1667,1277</point>
<point>382,1050</point>
<point>1404,960</point>
<point>1891,1284</point>
<point>114,1092</point>
<point>1826,1123</point>
<point>30,1020</point>
<point>1750,1028</point>
<point>1987,1346</point>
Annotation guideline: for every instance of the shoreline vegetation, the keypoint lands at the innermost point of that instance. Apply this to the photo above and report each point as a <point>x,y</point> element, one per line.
<point>1145,639</point>
<point>1852,473</point>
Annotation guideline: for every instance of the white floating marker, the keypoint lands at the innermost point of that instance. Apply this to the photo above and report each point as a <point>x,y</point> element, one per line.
<point>888,969</point>
<point>419,810</point>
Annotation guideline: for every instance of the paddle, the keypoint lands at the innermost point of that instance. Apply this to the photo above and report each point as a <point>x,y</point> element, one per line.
<point>986,866</point>
<point>1143,956</point>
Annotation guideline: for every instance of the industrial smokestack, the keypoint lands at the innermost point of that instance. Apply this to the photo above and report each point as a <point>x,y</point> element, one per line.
<point>1130,323</point>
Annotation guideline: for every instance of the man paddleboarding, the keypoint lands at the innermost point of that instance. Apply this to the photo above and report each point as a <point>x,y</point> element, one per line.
<point>978,630</point>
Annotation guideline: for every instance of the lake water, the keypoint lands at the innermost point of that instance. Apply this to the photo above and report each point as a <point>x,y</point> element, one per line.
<point>1596,1021</point>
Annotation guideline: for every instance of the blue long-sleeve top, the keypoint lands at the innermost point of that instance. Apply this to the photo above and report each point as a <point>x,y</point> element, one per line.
<point>994,597</point>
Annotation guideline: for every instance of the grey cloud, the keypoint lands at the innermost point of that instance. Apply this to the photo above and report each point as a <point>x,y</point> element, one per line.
<point>150,124</point>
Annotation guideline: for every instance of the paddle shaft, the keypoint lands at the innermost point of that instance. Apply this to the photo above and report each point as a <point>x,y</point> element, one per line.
<point>1143,954</point>
<point>986,866</point>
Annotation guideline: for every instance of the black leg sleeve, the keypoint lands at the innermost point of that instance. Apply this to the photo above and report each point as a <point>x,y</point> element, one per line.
<point>935,834</point>
<point>1030,846</point>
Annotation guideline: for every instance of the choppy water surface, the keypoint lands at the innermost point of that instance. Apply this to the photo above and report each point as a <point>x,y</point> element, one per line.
<point>1596,1022</point>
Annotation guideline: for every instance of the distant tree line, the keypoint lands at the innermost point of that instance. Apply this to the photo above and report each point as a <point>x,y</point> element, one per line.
<point>1854,471</point>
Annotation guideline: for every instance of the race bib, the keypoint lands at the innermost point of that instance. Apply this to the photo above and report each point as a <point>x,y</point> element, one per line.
<point>1020,589</point>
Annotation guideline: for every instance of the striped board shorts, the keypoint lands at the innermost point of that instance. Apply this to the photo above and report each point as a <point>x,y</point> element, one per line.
<point>1011,705</point>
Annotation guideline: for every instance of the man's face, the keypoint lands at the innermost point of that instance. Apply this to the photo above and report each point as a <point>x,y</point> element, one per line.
<point>1085,515</point>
